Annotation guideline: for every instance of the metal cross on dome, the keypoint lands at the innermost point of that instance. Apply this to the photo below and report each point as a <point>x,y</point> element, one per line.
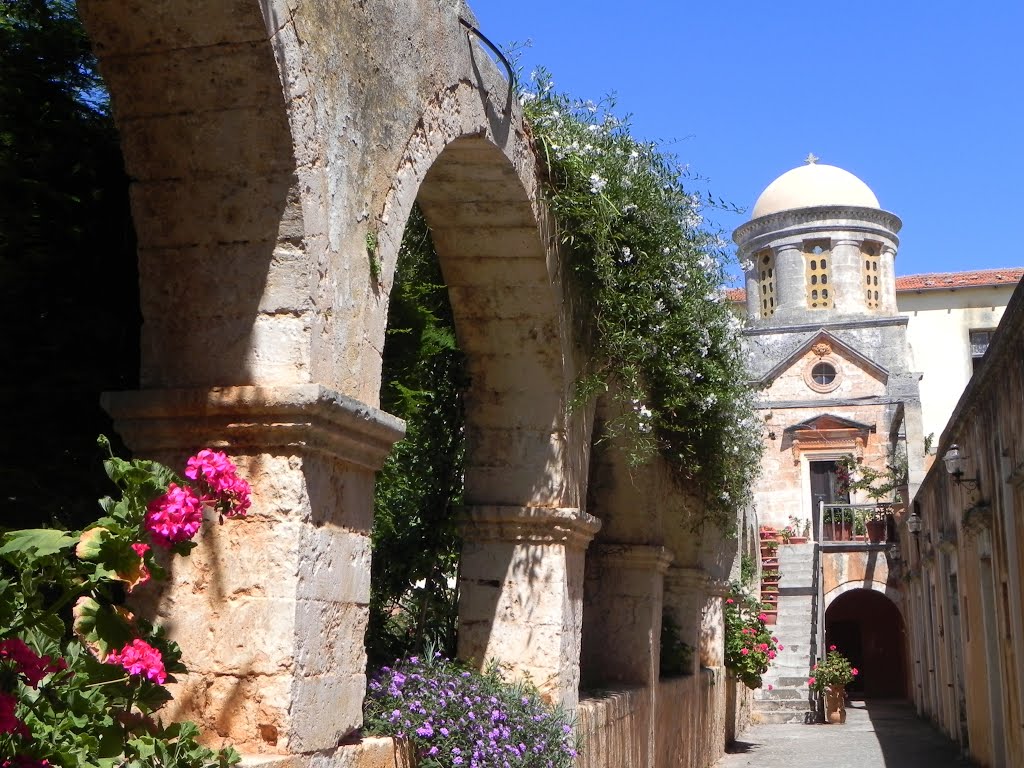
<point>811,159</point>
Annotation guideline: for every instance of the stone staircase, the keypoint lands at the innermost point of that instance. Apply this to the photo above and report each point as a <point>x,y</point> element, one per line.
<point>790,701</point>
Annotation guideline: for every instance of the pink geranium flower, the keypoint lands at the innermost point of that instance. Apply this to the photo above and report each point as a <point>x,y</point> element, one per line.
<point>174,517</point>
<point>140,658</point>
<point>217,477</point>
<point>854,672</point>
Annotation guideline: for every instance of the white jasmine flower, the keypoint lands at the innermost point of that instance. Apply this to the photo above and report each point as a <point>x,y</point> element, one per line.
<point>597,183</point>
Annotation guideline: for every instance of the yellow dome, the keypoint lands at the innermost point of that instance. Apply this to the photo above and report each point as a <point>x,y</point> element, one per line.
<point>812,185</point>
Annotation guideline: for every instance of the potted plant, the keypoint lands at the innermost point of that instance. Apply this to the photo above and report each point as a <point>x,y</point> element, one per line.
<point>801,530</point>
<point>838,524</point>
<point>876,524</point>
<point>769,548</point>
<point>830,676</point>
<point>786,534</point>
<point>770,577</point>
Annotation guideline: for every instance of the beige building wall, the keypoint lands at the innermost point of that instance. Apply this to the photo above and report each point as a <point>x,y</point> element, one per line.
<point>938,331</point>
<point>965,588</point>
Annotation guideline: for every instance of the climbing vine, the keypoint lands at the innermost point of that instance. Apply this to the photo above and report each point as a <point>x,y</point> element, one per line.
<point>663,340</point>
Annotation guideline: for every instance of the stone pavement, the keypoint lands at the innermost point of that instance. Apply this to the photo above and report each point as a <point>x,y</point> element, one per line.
<point>876,735</point>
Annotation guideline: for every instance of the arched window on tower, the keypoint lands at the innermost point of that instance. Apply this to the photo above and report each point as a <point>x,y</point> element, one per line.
<point>765,261</point>
<point>818,270</point>
<point>869,259</point>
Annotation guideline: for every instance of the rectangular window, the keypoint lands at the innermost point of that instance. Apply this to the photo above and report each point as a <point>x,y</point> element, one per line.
<point>766,281</point>
<point>869,256</point>
<point>818,269</point>
<point>980,339</point>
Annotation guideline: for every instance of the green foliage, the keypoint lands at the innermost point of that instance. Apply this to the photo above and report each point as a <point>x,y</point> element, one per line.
<point>749,645</point>
<point>68,274</point>
<point>748,569</point>
<point>371,252</point>
<point>457,716</point>
<point>877,485</point>
<point>69,707</point>
<point>663,341</point>
<point>415,539</point>
<point>676,657</point>
<point>834,670</point>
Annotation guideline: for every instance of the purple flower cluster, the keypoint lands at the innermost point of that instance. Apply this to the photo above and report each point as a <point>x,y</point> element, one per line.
<point>454,716</point>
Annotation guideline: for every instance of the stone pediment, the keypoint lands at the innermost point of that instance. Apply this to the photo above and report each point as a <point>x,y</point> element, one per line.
<point>824,345</point>
<point>828,431</point>
<point>828,422</point>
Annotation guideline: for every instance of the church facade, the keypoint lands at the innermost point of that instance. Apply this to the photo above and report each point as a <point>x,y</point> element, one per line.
<point>857,371</point>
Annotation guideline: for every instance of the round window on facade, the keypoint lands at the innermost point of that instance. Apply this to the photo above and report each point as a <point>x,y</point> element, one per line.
<point>823,374</point>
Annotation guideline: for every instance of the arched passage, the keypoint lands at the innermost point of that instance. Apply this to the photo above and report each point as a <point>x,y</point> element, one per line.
<point>867,627</point>
<point>522,563</point>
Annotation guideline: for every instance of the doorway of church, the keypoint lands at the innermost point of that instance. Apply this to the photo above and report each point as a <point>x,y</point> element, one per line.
<point>867,628</point>
<point>825,488</point>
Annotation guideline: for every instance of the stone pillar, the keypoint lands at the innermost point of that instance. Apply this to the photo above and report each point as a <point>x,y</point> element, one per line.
<point>887,281</point>
<point>521,593</point>
<point>848,296</point>
<point>790,280</point>
<point>712,626</point>
<point>754,311</point>
<point>270,610</point>
<point>625,596</point>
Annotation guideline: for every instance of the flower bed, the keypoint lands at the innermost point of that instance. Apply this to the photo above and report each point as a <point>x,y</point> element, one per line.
<point>456,716</point>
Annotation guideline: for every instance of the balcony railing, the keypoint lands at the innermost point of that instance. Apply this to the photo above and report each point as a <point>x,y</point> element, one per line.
<point>857,523</point>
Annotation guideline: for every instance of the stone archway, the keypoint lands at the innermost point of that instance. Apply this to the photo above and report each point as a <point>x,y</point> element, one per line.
<point>269,144</point>
<point>868,628</point>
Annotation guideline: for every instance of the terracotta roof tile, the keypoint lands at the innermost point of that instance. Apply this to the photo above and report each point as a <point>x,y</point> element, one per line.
<point>933,281</point>
<point>948,280</point>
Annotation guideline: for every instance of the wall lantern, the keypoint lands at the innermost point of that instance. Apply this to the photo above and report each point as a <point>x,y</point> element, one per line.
<point>894,551</point>
<point>955,466</point>
<point>914,523</point>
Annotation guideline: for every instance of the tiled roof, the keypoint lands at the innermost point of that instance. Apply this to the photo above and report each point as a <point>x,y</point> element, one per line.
<point>947,280</point>
<point>934,281</point>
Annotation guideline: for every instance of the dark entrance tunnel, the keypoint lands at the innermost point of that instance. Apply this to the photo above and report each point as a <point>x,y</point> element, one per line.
<point>867,628</point>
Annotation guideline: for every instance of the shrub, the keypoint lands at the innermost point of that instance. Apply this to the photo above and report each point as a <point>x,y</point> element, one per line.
<point>834,670</point>
<point>455,716</point>
<point>749,646</point>
<point>80,687</point>
<point>650,275</point>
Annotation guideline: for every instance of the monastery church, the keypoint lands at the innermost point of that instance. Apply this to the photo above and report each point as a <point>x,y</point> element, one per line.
<point>855,368</point>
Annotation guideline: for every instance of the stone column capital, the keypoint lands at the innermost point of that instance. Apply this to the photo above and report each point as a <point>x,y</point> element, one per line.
<point>679,579</point>
<point>292,419</point>
<point>535,525</point>
<point>639,557</point>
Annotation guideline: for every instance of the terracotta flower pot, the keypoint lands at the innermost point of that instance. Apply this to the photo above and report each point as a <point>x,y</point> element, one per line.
<point>797,539</point>
<point>876,531</point>
<point>835,704</point>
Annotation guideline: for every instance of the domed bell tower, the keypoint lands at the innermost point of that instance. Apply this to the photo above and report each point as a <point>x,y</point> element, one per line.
<point>817,249</point>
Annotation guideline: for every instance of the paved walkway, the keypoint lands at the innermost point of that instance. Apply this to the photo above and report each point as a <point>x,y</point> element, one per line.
<point>876,735</point>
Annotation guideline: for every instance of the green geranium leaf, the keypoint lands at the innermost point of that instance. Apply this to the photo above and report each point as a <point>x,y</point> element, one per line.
<point>37,542</point>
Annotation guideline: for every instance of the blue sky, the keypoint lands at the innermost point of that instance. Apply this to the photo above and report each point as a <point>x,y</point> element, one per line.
<point>923,101</point>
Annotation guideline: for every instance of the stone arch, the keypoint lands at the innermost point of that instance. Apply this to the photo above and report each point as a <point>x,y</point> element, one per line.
<point>876,586</point>
<point>205,132</point>
<point>470,166</point>
<point>869,628</point>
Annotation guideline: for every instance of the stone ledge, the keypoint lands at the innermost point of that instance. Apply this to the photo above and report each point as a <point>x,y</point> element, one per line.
<point>301,418</point>
<point>536,525</point>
